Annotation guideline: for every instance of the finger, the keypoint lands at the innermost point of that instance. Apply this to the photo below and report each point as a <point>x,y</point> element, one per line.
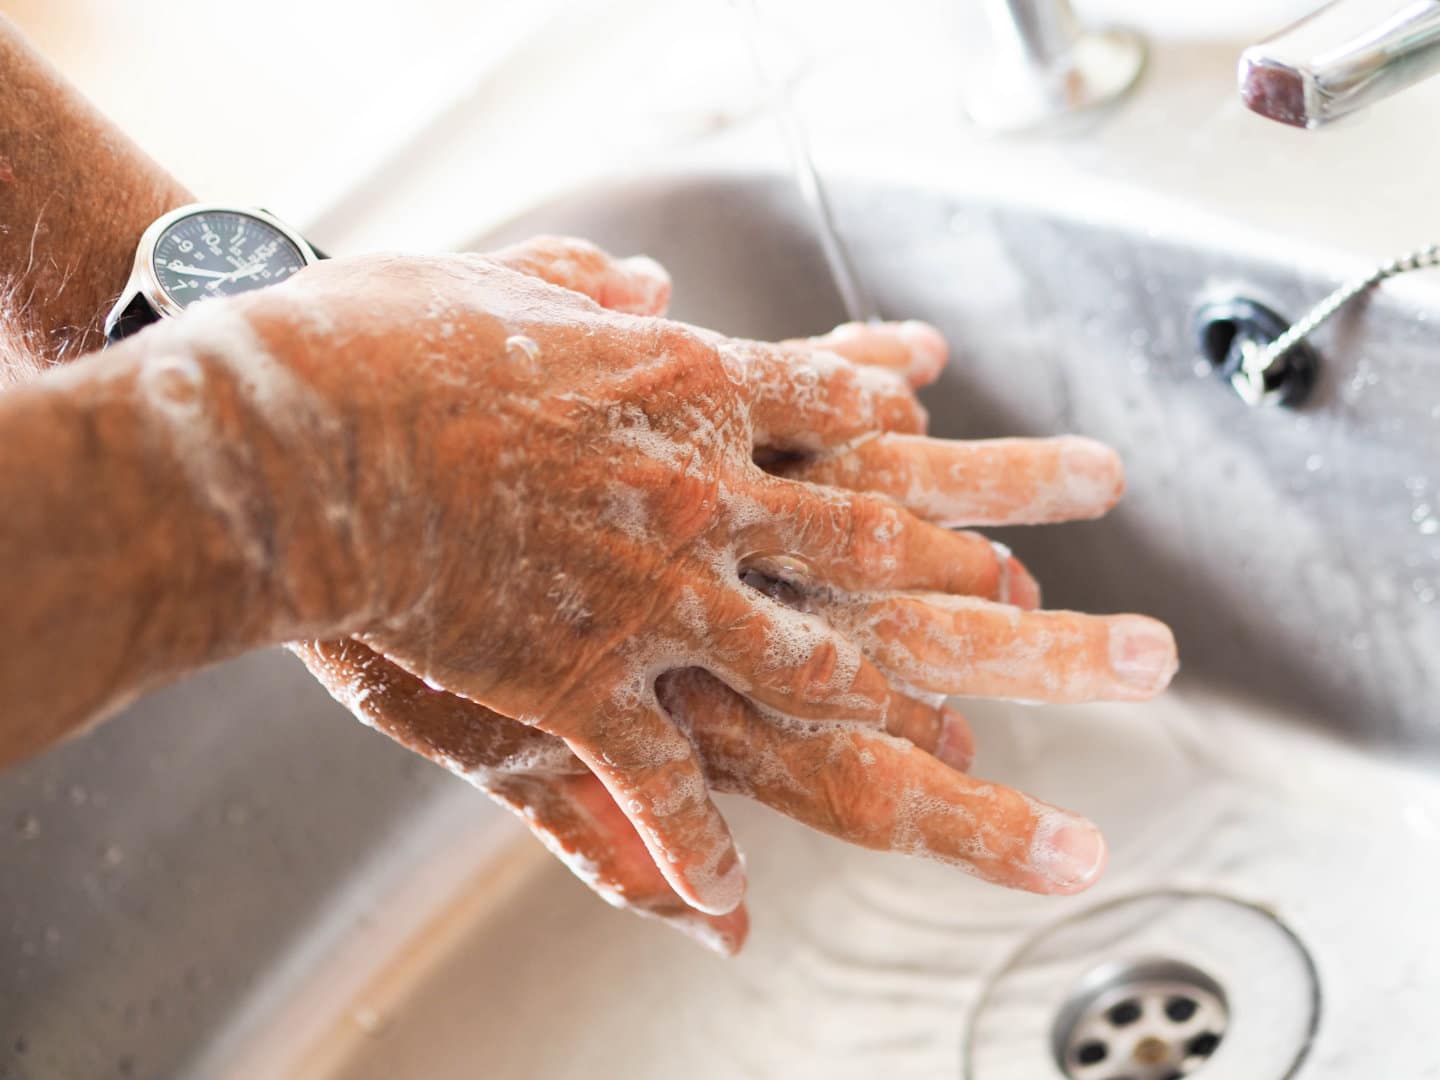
<point>914,350</point>
<point>800,667</point>
<point>983,482</point>
<point>935,728</point>
<point>956,744</point>
<point>576,818</point>
<point>807,401</point>
<point>638,285</point>
<point>959,645</point>
<point>651,771</point>
<point>864,543</point>
<point>793,662</point>
<point>529,772</point>
<point>879,792</point>
<point>468,739</point>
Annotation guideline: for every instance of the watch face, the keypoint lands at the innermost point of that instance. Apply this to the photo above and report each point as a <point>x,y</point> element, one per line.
<point>220,253</point>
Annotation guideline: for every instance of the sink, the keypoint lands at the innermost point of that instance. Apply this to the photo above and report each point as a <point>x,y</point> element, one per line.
<point>1291,770</point>
<point>235,879</point>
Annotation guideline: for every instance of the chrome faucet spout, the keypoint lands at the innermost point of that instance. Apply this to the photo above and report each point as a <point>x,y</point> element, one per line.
<point>1346,56</point>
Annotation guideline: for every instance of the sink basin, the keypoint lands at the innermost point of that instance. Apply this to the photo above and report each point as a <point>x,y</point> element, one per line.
<point>237,880</point>
<point>1288,770</point>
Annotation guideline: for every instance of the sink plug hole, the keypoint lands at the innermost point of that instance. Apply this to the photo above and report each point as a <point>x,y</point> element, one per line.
<point>1152,1019</point>
<point>1180,1009</point>
<point>1124,1014</point>
<point>1230,331</point>
<point>1203,1045</point>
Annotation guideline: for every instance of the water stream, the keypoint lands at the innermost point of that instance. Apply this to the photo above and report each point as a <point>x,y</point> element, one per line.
<point>778,80</point>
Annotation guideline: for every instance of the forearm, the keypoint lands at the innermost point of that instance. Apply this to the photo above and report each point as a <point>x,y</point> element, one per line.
<point>161,514</point>
<point>75,195</point>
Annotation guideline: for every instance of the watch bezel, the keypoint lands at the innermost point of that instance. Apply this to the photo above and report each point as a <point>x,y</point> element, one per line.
<point>147,280</point>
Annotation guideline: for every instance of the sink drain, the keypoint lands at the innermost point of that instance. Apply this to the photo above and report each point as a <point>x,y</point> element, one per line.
<point>1150,1020</point>
<point>1159,986</point>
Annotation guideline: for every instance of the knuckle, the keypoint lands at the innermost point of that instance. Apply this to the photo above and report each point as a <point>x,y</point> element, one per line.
<point>876,530</point>
<point>815,677</point>
<point>854,807</point>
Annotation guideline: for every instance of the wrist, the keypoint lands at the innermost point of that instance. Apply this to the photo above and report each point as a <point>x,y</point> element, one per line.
<point>260,480</point>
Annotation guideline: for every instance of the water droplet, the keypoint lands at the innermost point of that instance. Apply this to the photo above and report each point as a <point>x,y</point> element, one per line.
<point>112,855</point>
<point>27,826</point>
<point>1424,590</point>
<point>78,795</point>
<point>367,1020</point>
<point>522,350</point>
<point>1202,368</point>
<point>1430,526</point>
<point>1314,463</point>
<point>1421,512</point>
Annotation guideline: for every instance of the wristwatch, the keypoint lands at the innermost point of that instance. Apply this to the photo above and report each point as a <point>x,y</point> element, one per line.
<point>201,251</point>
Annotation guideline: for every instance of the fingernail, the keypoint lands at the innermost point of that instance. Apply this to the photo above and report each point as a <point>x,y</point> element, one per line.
<point>1072,856</point>
<point>1024,589</point>
<point>650,282</point>
<point>1142,653</point>
<point>1017,586</point>
<point>713,934</point>
<point>1092,475</point>
<point>956,745</point>
<point>718,891</point>
<point>927,347</point>
<point>840,335</point>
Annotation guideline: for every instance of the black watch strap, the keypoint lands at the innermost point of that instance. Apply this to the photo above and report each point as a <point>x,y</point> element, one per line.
<point>137,315</point>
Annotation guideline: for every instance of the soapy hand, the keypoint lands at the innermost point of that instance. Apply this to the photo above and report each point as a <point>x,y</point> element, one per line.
<point>840,771</point>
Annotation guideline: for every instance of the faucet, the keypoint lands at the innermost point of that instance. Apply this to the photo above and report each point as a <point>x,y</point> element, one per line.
<point>1036,63</point>
<point>1344,57</point>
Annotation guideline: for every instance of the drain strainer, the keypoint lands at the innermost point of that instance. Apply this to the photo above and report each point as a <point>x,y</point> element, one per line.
<point>1162,986</point>
<point>1151,1020</point>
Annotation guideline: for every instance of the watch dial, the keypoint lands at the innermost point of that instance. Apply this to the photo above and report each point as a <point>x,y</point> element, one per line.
<point>220,253</point>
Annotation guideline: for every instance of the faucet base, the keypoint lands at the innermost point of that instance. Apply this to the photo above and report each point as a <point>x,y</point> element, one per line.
<point>1015,94</point>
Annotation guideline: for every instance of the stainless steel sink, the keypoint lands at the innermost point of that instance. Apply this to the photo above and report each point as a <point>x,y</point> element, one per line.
<point>236,880</point>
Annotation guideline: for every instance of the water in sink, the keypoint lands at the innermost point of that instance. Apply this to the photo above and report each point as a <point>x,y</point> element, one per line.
<point>864,963</point>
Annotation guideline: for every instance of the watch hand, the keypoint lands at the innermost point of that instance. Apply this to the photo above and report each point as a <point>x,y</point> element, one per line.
<point>196,270</point>
<point>235,275</point>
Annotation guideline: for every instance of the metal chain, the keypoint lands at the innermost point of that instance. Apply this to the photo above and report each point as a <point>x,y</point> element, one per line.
<point>1257,360</point>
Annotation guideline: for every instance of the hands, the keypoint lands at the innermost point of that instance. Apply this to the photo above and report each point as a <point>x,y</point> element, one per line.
<point>646,723</point>
<point>544,507</point>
